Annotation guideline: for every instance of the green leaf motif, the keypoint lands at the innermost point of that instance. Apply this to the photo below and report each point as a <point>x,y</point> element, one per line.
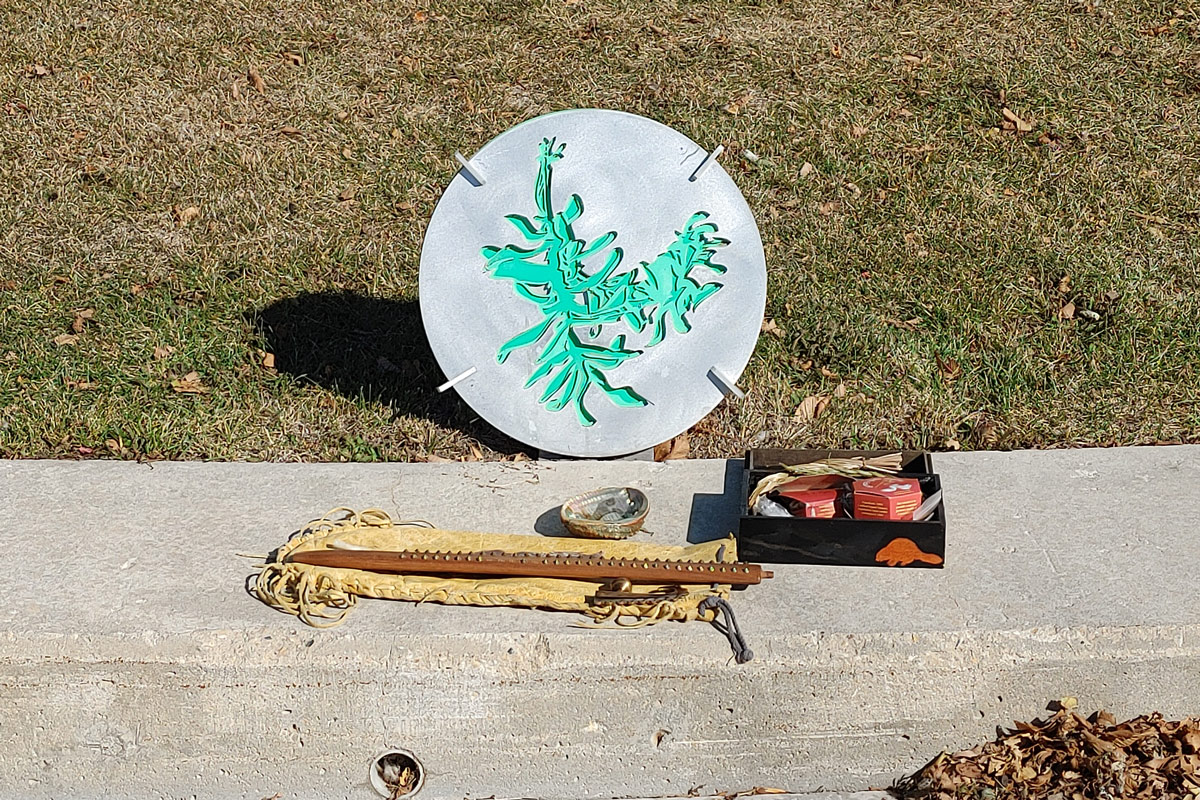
<point>579,306</point>
<point>527,228</point>
<point>574,208</point>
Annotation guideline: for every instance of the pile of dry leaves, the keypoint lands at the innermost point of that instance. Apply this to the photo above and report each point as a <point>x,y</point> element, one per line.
<point>1070,758</point>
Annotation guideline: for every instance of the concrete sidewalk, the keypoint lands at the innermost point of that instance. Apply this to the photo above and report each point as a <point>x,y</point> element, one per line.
<point>133,664</point>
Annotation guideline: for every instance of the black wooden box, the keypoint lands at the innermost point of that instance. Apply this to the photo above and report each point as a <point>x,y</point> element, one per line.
<point>840,541</point>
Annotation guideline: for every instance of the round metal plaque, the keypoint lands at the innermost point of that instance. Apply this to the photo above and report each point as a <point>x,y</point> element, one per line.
<point>599,277</point>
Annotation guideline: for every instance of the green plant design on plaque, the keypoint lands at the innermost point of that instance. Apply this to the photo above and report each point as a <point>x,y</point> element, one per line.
<point>580,307</point>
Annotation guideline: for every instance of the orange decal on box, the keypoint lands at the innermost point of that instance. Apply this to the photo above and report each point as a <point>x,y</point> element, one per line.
<point>902,552</point>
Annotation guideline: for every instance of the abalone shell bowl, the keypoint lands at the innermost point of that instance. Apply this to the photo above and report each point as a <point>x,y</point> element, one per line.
<point>611,513</point>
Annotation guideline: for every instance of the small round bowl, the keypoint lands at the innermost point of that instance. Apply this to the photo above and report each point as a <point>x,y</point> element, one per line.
<point>612,513</point>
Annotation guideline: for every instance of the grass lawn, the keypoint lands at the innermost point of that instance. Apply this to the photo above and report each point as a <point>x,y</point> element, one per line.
<point>982,223</point>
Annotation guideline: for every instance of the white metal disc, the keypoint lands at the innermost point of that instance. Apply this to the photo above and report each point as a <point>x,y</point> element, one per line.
<point>485,280</point>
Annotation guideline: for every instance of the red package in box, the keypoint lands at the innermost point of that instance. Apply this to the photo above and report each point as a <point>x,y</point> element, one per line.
<point>806,482</point>
<point>813,503</point>
<point>886,498</point>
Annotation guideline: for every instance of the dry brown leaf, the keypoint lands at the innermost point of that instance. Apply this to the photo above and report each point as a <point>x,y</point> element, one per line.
<point>811,407</point>
<point>806,364</point>
<point>736,105</point>
<point>8,286</point>
<point>295,59</point>
<point>420,16</point>
<point>38,71</point>
<point>829,207</point>
<point>952,444</point>
<point>1064,284</point>
<point>828,373</point>
<point>681,447</point>
<point>1020,124</point>
<point>807,169</point>
<point>289,130</point>
<point>347,194</point>
<point>235,91</point>
<point>769,326</point>
<point>676,448</point>
<point>162,351</point>
<point>66,339</point>
<point>1067,311</point>
<point>81,318</point>
<point>857,130</point>
<point>268,360</point>
<point>185,214</point>
<point>840,391</point>
<point>1097,744</point>
<point>949,368</point>
<point>256,80</point>
<point>904,324</point>
<point>434,458</point>
<point>661,449</point>
<point>190,384</point>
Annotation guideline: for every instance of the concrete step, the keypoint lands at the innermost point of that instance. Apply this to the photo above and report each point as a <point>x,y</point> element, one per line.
<point>133,664</point>
<point>864,795</point>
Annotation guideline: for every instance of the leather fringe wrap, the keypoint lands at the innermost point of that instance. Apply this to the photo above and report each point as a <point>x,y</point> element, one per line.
<point>322,596</point>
